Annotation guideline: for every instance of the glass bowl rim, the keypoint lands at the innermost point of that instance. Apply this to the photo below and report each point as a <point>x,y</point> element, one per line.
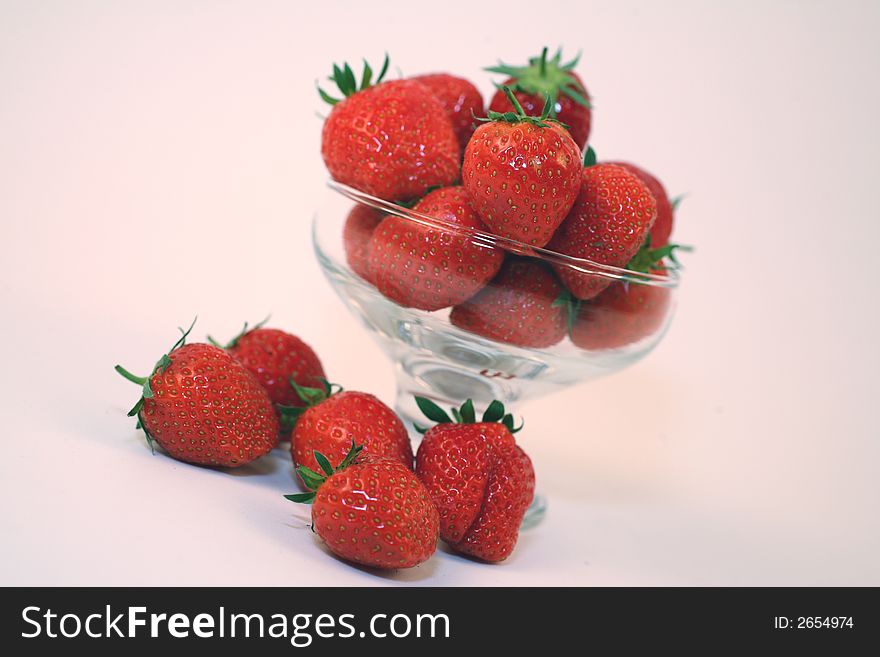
<point>483,238</point>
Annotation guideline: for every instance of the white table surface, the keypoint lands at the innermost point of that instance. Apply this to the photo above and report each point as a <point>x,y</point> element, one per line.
<point>161,159</point>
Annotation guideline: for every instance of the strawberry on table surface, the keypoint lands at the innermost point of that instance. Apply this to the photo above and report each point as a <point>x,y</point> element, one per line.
<point>371,510</point>
<point>661,231</point>
<point>204,407</point>
<point>356,234</point>
<point>481,481</point>
<point>461,100</point>
<point>608,223</point>
<point>431,266</point>
<point>274,357</point>
<point>519,306</point>
<point>551,77</point>
<point>522,174</point>
<point>331,420</point>
<point>390,139</point>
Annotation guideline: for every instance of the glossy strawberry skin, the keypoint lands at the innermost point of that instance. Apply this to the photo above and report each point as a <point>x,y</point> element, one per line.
<point>482,484</point>
<point>330,426</point>
<point>431,267</point>
<point>208,409</point>
<point>273,357</point>
<point>610,220</point>
<point>393,140</point>
<point>567,111</point>
<point>621,315</point>
<point>661,231</point>
<point>359,227</point>
<point>516,307</point>
<point>461,100</point>
<point>377,513</point>
<point>522,178</point>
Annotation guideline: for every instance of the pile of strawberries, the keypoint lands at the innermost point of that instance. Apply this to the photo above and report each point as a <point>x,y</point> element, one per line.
<point>518,173</point>
<point>373,503</point>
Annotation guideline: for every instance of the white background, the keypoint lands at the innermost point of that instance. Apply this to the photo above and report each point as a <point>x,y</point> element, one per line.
<point>161,159</point>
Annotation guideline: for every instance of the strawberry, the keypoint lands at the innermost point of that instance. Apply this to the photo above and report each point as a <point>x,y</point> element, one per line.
<point>622,314</point>
<point>274,358</point>
<point>609,222</point>
<point>626,311</point>
<point>392,140</point>
<point>522,173</point>
<point>548,77</point>
<point>461,100</point>
<point>662,228</point>
<point>518,307</point>
<point>480,479</point>
<point>371,510</point>
<point>332,419</point>
<point>356,234</point>
<point>204,407</point>
<point>430,266</point>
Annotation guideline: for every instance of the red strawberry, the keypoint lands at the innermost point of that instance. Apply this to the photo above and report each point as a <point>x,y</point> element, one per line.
<point>461,100</point>
<point>371,510</point>
<point>662,228</point>
<point>392,140</point>
<point>274,358</point>
<point>203,407</point>
<point>548,77</point>
<point>479,478</point>
<point>522,173</point>
<point>609,222</point>
<point>518,307</point>
<point>356,234</point>
<point>333,419</point>
<point>626,311</point>
<point>621,315</point>
<point>430,266</point>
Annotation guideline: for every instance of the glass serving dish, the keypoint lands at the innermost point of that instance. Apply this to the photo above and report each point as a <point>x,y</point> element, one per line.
<point>475,349</point>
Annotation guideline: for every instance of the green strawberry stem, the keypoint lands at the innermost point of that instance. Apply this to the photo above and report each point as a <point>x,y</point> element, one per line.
<point>144,381</point>
<point>313,480</point>
<point>347,83</point>
<point>465,414</point>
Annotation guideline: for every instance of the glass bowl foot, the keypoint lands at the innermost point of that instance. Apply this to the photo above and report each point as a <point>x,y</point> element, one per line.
<point>535,512</point>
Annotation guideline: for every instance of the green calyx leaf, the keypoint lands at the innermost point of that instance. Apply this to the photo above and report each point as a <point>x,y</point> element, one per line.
<point>465,414</point>
<point>313,480</point>
<point>244,331</point>
<point>675,202</point>
<point>546,76</point>
<point>314,396</point>
<point>647,259</point>
<point>144,381</point>
<point>570,304</point>
<point>301,498</point>
<point>507,421</point>
<point>518,115</point>
<point>288,415</point>
<point>589,157</point>
<point>432,411</point>
<point>344,79</point>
